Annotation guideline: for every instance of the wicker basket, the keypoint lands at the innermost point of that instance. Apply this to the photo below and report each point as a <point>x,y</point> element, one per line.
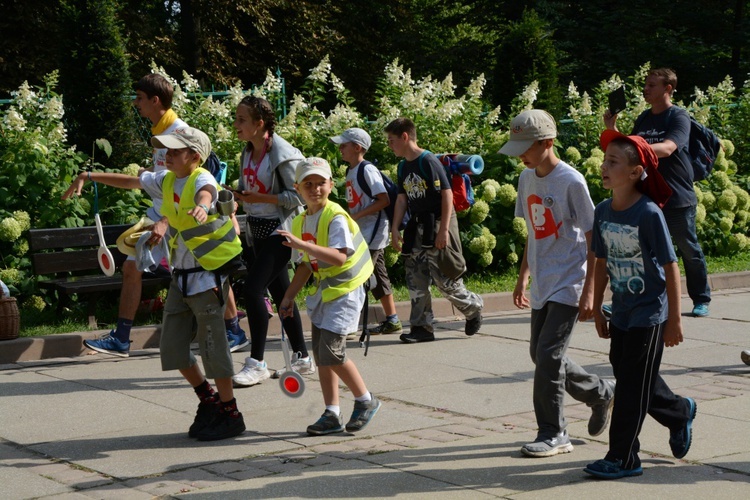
<point>10,319</point>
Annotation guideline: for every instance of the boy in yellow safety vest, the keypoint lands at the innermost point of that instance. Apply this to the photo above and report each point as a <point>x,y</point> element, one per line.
<point>203,246</point>
<point>332,249</point>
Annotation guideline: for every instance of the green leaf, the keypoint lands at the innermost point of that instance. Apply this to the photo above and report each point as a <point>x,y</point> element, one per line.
<point>105,146</point>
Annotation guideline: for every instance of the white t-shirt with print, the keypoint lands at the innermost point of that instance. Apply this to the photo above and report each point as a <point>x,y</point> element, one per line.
<point>358,200</point>
<point>182,258</point>
<point>341,315</point>
<point>258,178</point>
<point>558,212</point>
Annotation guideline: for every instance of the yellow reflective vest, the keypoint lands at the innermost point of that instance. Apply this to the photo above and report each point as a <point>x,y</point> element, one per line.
<point>335,281</point>
<point>213,243</point>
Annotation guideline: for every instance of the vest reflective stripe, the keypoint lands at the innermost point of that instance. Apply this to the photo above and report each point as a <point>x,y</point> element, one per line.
<point>213,243</point>
<point>335,281</point>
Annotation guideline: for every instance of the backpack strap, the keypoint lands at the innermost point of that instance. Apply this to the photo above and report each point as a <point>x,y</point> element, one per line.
<point>366,189</point>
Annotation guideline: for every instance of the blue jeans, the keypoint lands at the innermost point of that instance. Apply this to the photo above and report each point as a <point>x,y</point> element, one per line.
<point>681,224</point>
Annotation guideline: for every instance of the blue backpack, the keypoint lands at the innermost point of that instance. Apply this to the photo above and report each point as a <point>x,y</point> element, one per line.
<point>217,168</point>
<point>391,188</point>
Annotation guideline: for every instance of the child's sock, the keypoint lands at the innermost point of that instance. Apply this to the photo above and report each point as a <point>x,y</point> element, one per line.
<point>233,324</point>
<point>393,318</point>
<point>364,398</point>
<point>206,393</point>
<point>122,332</point>
<point>334,408</point>
<point>230,407</point>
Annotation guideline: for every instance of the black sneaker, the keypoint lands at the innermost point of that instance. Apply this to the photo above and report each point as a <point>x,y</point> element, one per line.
<point>417,334</point>
<point>328,423</point>
<point>473,325</point>
<point>203,417</point>
<point>680,439</point>
<point>224,425</point>
<point>362,414</point>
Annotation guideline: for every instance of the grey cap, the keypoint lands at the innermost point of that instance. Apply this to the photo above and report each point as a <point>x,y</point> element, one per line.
<point>185,137</point>
<point>526,128</point>
<point>355,135</point>
<point>310,166</point>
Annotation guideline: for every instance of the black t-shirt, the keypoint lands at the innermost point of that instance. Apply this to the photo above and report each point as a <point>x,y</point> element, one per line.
<point>672,124</point>
<point>423,186</point>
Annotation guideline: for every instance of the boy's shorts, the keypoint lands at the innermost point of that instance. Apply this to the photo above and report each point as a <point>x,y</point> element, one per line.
<point>383,286</point>
<point>178,331</point>
<point>328,348</point>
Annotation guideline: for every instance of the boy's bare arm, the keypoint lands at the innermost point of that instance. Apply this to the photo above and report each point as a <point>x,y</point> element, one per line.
<point>600,286</point>
<point>446,210</point>
<point>332,256</point>
<point>381,201</point>
<point>585,305</point>
<point>519,294</point>
<point>121,181</point>
<point>398,215</point>
<point>673,328</point>
<point>301,275</point>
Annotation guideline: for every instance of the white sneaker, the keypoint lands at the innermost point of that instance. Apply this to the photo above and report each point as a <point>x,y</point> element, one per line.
<point>300,365</point>
<point>254,372</point>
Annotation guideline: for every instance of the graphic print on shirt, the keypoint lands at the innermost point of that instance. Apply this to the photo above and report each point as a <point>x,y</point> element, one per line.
<point>353,199</point>
<point>653,136</point>
<point>624,257</point>
<point>252,181</point>
<point>542,218</point>
<point>415,186</point>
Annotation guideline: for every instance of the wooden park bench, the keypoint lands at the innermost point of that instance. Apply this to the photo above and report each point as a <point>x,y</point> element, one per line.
<point>70,256</point>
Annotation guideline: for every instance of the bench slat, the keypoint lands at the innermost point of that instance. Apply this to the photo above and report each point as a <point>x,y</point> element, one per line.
<point>92,284</point>
<point>75,261</point>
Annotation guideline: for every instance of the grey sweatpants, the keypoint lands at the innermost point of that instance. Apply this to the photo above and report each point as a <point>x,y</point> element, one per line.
<point>555,373</point>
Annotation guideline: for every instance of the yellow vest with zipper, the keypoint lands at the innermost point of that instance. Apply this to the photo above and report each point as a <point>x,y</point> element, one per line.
<point>336,281</point>
<point>213,243</point>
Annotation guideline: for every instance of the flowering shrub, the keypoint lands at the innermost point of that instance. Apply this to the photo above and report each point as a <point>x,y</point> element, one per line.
<point>37,165</point>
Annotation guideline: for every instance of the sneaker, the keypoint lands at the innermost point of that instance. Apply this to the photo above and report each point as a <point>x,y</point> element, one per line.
<point>680,439</point>
<point>254,372</point>
<point>237,341</point>
<point>548,447</point>
<point>607,310</point>
<point>109,345</point>
<point>600,413</point>
<point>299,365</point>
<point>203,417</point>
<point>362,414</point>
<point>700,310</point>
<point>473,325</point>
<point>269,307</point>
<point>387,327</point>
<point>745,355</point>
<point>605,469</point>
<point>328,423</point>
<point>417,334</point>
<point>224,425</point>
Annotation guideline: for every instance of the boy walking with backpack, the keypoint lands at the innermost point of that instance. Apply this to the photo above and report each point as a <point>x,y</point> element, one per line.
<point>555,202</point>
<point>333,251</point>
<point>431,244</point>
<point>367,196</point>
<point>632,246</point>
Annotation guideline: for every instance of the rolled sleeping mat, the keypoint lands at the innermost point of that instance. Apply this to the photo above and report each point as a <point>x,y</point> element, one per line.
<point>469,164</point>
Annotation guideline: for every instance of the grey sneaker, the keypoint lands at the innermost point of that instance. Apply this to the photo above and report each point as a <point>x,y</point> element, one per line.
<point>299,364</point>
<point>362,414</point>
<point>600,413</point>
<point>328,423</point>
<point>254,372</point>
<point>548,447</point>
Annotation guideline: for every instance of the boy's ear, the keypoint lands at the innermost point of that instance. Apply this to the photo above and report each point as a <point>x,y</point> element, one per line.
<point>638,171</point>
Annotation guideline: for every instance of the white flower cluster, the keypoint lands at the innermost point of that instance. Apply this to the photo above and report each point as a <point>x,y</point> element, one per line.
<point>14,121</point>
<point>320,72</point>
<point>24,96</point>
